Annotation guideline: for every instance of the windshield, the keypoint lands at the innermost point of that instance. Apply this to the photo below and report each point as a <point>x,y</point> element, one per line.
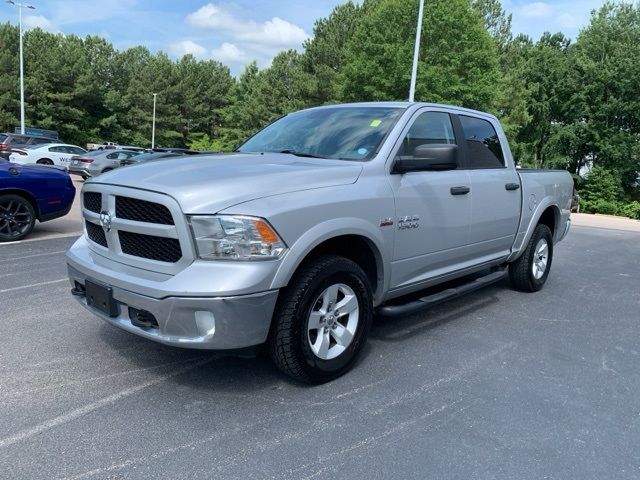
<point>2,138</point>
<point>345,133</point>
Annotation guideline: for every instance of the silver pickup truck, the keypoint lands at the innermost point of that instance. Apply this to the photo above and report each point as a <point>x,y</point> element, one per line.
<point>321,220</point>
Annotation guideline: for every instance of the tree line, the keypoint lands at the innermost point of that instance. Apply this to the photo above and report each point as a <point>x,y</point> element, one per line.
<point>563,103</point>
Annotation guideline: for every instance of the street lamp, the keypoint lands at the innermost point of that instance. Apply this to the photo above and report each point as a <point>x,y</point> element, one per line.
<point>20,7</point>
<point>153,125</point>
<point>416,52</point>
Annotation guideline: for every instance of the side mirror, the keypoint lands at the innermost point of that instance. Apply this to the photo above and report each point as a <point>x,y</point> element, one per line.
<point>429,157</point>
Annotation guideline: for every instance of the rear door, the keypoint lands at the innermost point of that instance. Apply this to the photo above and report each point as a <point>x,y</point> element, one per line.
<point>432,219</point>
<point>495,190</point>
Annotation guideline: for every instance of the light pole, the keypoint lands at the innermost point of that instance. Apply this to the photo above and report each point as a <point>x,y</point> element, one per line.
<point>20,7</point>
<point>416,54</point>
<point>153,125</point>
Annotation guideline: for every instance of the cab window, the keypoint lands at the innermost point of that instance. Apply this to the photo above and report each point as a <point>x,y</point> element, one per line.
<point>483,145</point>
<point>428,128</point>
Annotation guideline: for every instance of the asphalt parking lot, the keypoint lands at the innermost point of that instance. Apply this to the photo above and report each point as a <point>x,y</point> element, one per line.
<point>499,384</point>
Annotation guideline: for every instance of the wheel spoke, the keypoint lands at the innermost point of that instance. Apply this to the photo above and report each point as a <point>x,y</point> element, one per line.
<point>314,320</point>
<point>348,304</point>
<point>542,249</point>
<point>330,296</point>
<point>342,335</point>
<point>321,345</point>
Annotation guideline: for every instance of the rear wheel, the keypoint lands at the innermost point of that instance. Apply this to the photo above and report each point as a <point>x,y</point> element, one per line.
<point>45,161</point>
<point>322,320</point>
<point>530,271</point>
<point>17,218</point>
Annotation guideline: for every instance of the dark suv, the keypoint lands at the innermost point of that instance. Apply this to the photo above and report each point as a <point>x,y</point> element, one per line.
<point>8,141</point>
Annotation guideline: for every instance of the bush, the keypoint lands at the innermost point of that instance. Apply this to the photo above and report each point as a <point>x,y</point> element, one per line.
<point>603,207</point>
<point>602,185</point>
<point>631,210</point>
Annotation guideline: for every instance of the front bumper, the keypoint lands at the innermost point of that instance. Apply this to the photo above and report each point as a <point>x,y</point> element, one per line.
<point>211,323</point>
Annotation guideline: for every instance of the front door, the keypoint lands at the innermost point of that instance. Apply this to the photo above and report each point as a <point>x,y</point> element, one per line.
<point>433,213</point>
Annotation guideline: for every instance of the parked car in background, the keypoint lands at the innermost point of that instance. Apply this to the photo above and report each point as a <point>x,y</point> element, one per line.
<point>10,141</point>
<point>49,154</point>
<point>30,193</point>
<point>96,162</point>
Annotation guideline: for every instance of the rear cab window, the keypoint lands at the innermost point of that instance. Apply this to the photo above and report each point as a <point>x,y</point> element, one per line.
<point>484,149</point>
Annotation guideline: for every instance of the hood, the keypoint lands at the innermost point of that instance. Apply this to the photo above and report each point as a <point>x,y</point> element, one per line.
<point>211,183</point>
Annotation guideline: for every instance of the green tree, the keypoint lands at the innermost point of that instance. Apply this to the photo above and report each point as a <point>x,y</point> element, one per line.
<point>458,62</point>
<point>607,69</point>
<point>324,53</point>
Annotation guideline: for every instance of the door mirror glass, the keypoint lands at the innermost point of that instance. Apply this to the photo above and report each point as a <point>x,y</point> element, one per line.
<point>429,157</point>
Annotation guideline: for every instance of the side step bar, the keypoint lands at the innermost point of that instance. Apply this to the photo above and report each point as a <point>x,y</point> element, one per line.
<point>439,297</point>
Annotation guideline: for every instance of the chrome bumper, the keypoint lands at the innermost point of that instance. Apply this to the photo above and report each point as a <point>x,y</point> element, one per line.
<point>212,323</point>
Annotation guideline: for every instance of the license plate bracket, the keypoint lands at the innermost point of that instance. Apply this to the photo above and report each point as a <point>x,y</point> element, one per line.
<point>101,298</point>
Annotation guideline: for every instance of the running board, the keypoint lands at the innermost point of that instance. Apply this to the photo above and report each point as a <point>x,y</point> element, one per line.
<point>439,297</point>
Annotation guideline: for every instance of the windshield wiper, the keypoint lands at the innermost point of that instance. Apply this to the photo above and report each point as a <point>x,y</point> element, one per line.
<point>300,154</point>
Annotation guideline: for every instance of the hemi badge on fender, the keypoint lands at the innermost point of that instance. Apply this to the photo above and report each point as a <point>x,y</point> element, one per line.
<point>385,222</point>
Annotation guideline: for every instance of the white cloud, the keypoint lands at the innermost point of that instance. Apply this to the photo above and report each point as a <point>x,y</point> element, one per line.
<point>536,10</point>
<point>39,21</point>
<point>275,32</point>
<point>228,52</point>
<point>185,47</point>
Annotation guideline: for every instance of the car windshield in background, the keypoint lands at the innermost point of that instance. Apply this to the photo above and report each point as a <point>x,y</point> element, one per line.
<point>2,138</point>
<point>344,133</point>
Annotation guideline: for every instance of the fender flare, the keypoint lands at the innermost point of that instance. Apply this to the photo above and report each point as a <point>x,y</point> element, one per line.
<point>327,230</point>
<point>535,218</point>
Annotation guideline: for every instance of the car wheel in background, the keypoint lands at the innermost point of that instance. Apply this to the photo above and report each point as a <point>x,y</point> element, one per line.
<point>530,271</point>
<point>322,320</point>
<point>45,161</point>
<point>17,218</point>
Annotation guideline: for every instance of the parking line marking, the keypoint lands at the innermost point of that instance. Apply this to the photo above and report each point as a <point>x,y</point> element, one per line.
<point>13,289</point>
<point>11,259</point>
<point>103,402</point>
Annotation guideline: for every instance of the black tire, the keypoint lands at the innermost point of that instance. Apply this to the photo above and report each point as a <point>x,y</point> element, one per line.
<point>289,339</point>
<point>17,218</point>
<point>45,161</point>
<point>85,177</point>
<point>521,271</point>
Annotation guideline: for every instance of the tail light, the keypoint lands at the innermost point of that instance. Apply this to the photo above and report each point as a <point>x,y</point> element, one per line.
<point>20,152</point>
<point>4,146</point>
<point>84,159</point>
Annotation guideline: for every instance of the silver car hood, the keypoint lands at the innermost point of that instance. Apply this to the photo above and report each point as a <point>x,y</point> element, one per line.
<point>209,184</point>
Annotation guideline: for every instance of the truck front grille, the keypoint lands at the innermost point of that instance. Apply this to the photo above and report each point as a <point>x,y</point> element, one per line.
<point>137,227</point>
<point>149,246</point>
<point>93,201</point>
<point>142,211</point>
<point>96,234</point>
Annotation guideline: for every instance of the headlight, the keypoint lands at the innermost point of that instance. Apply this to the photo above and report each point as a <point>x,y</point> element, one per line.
<point>227,237</point>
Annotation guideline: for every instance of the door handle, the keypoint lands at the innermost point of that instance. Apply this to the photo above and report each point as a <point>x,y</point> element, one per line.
<point>460,190</point>
<point>512,186</point>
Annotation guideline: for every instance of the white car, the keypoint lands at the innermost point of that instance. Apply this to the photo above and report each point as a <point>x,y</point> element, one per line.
<point>49,154</point>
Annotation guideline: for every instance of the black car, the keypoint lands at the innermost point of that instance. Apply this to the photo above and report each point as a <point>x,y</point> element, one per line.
<point>9,141</point>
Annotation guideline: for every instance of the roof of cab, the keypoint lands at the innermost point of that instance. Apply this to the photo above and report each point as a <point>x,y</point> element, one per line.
<point>407,105</point>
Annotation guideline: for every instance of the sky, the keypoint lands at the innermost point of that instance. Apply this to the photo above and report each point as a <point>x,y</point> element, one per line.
<point>240,31</point>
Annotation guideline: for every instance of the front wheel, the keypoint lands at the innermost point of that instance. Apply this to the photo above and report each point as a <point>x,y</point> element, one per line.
<point>17,218</point>
<point>322,320</point>
<point>530,271</point>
